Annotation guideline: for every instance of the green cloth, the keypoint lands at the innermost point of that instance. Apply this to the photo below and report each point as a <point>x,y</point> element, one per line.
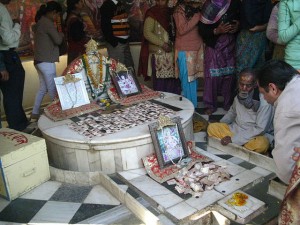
<point>289,30</point>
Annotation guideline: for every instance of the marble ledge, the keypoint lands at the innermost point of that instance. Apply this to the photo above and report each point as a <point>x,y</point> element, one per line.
<point>242,181</point>
<point>64,136</point>
<point>242,153</point>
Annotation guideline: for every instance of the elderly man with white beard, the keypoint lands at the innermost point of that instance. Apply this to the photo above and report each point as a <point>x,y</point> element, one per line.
<point>249,120</point>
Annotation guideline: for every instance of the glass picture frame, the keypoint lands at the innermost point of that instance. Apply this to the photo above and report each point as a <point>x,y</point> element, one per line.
<point>168,140</point>
<point>71,91</point>
<point>126,83</point>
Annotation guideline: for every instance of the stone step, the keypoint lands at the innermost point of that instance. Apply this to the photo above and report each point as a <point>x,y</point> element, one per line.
<point>117,215</point>
<point>277,188</point>
<point>111,216</point>
<point>239,151</point>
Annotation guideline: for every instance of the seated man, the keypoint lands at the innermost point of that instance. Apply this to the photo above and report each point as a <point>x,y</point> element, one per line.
<point>248,120</point>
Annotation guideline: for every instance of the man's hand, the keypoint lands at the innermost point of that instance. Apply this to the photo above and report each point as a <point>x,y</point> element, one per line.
<point>296,155</point>
<point>4,75</point>
<point>226,140</point>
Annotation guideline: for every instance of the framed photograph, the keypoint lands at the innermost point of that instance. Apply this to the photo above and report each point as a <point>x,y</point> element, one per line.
<point>71,91</point>
<point>168,140</point>
<point>126,83</point>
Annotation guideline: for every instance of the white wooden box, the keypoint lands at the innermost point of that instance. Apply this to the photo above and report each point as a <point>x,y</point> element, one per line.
<point>23,163</point>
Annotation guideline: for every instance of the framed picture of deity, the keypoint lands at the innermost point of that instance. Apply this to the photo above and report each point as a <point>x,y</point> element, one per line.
<point>168,141</point>
<point>126,83</point>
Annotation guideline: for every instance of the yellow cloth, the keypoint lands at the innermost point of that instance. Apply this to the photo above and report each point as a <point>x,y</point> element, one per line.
<point>199,126</point>
<point>258,144</point>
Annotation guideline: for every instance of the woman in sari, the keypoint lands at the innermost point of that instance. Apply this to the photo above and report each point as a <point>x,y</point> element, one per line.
<point>188,48</point>
<point>218,26</point>
<point>251,41</point>
<point>157,57</point>
<point>290,207</point>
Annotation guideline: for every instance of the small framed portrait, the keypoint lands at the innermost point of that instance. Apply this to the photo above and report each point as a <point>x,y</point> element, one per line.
<point>168,140</point>
<point>126,83</point>
<point>71,91</point>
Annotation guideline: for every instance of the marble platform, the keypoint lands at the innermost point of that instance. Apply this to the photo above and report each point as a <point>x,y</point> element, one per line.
<point>120,151</point>
<point>206,209</point>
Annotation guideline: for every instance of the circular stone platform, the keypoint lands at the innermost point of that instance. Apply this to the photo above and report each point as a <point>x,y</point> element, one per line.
<point>120,151</point>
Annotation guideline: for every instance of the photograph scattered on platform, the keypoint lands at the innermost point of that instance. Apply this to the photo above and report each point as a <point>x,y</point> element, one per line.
<point>168,140</point>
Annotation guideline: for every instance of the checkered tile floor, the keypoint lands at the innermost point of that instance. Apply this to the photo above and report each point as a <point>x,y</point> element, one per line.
<point>58,202</point>
<point>55,202</point>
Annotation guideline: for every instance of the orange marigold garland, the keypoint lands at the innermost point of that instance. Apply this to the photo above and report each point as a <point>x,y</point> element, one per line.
<point>90,73</point>
<point>95,84</point>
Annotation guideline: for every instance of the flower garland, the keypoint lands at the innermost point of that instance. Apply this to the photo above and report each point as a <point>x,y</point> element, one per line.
<point>95,92</point>
<point>91,75</point>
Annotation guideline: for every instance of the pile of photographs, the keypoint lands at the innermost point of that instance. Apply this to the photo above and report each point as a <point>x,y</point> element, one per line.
<point>96,124</point>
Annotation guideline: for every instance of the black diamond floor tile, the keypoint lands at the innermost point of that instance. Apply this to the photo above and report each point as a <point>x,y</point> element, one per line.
<point>172,189</point>
<point>200,111</point>
<point>215,118</point>
<point>247,165</point>
<point>116,179</point>
<point>225,156</point>
<point>133,193</point>
<point>21,210</point>
<point>71,193</point>
<point>88,210</point>
<point>202,145</point>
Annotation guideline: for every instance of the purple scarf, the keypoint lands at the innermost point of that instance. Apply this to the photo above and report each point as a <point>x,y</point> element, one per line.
<point>213,10</point>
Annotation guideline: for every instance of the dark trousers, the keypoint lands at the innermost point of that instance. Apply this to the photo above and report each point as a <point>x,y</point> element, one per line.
<point>121,53</point>
<point>12,91</point>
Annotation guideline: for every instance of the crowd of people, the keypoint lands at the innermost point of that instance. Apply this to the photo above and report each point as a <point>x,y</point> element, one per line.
<point>212,39</point>
<point>222,41</point>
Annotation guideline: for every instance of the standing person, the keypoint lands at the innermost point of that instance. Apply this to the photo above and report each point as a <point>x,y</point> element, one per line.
<point>289,30</point>
<point>46,51</point>
<point>12,89</point>
<point>157,56</point>
<point>3,76</point>
<point>251,41</point>
<point>249,120</point>
<point>272,34</point>
<point>218,26</point>
<point>188,48</point>
<point>115,28</point>
<point>75,30</point>
<point>279,83</point>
